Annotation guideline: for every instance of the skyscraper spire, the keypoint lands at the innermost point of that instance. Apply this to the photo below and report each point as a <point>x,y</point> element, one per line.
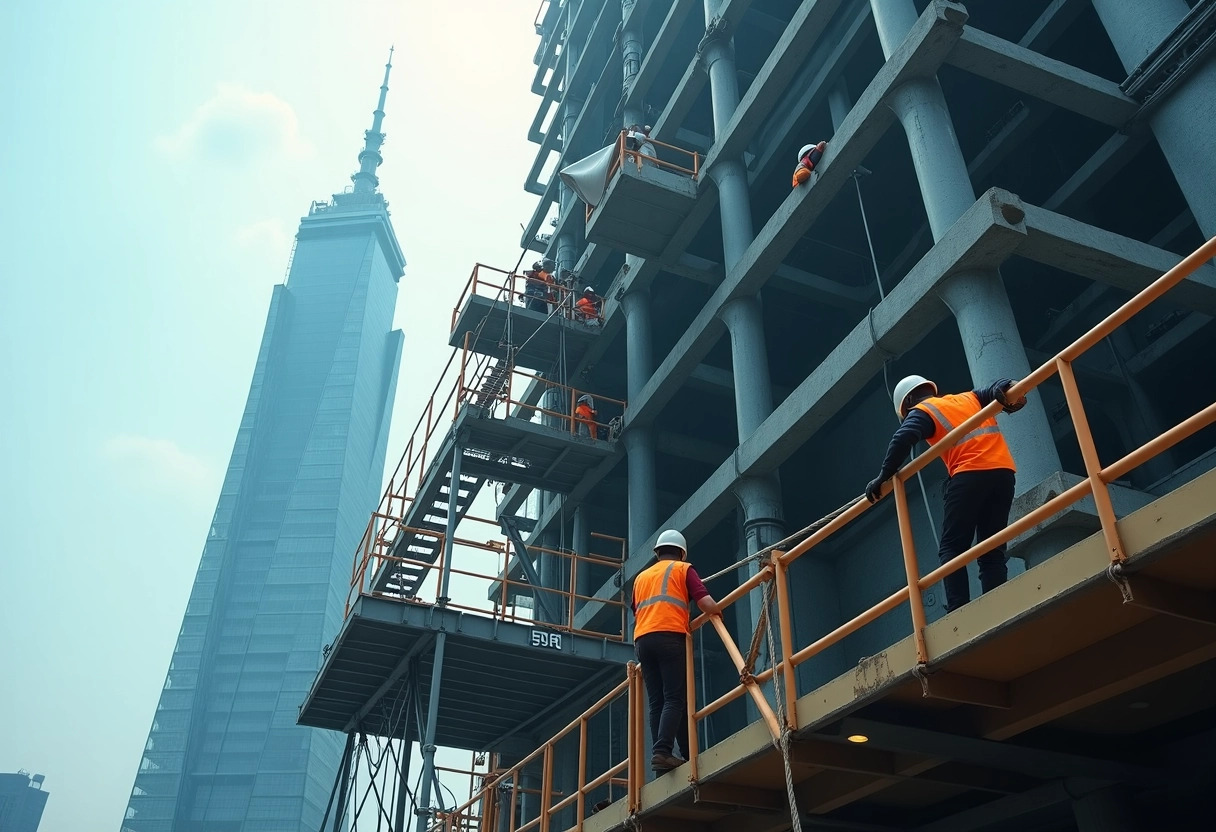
<point>369,158</point>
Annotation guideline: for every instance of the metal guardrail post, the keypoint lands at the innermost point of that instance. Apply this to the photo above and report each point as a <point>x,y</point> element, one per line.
<point>785,623</point>
<point>911,570</point>
<point>690,707</point>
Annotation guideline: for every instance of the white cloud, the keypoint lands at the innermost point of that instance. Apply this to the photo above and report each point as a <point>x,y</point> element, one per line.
<point>271,236</point>
<point>159,464</point>
<point>237,126</point>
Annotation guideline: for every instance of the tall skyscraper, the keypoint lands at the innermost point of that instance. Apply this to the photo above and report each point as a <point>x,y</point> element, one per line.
<point>224,753</point>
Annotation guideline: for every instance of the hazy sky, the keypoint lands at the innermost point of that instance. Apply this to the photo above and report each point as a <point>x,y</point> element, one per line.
<point>155,158</point>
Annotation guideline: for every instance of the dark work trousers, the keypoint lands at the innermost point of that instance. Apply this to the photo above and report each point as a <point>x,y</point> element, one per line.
<point>663,670</point>
<point>976,507</point>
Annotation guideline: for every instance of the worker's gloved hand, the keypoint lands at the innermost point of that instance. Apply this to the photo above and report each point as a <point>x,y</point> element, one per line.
<point>1009,405</point>
<point>874,489</point>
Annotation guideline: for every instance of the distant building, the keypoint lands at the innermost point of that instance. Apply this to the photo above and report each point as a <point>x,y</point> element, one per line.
<point>22,800</point>
<point>224,753</point>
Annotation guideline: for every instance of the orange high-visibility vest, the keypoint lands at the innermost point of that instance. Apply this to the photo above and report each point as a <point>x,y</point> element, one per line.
<point>983,449</point>
<point>661,595</point>
<point>584,413</point>
<point>587,307</point>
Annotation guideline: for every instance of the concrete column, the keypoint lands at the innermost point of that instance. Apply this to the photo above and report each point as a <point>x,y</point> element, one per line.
<point>581,540</point>
<point>639,439</point>
<point>981,308</point>
<point>1185,123</point>
<point>760,497</point>
<point>749,357</point>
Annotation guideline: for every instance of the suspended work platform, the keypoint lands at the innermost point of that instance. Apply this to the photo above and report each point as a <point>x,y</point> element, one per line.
<point>648,197</point>
<point>497,677</point>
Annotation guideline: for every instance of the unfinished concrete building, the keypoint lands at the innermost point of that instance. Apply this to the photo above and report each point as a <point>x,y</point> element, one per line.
<point>999,178</point>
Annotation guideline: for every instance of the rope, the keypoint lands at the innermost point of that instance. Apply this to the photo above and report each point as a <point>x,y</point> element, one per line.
<point>796,537</point>
<point>782,742</point>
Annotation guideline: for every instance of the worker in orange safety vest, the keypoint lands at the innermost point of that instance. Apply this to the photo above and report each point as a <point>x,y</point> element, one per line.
<point>662,597</point>
<point>979,491</point>
<point>808,159</point>
<point>538,286</point>
<point>588,309</point>
<point>584,416</point>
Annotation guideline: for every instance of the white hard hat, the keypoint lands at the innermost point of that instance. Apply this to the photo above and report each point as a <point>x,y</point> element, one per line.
<point>905,387</point>
<point>806,148</point>
<point>671,537</point>
<point>589,289</point>
<point>586,397</point>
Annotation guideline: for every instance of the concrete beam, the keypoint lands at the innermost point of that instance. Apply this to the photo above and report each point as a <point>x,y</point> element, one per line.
<point>1044,78</point>
<point>1106,162</point>
<point>1167,343</point>
<point>1106,257</point>
<point>1050,25</point>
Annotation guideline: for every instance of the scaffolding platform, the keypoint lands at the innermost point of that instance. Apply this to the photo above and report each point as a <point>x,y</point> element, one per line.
<point>489,324</point>
<point>642,208</point>
<point>1060,684</point>
<point>498,677</point>
<point>514,449</point>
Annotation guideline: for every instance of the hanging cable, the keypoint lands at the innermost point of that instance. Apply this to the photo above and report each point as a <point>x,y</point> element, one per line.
<point>865,224</point>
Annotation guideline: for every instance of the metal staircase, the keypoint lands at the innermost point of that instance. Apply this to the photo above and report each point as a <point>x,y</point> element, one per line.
<point>421,536</point>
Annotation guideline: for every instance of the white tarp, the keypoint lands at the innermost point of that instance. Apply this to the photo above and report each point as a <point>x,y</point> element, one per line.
<point>588,177</point>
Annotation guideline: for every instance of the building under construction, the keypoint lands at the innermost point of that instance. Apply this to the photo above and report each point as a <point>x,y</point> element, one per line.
<point>1012,190</point>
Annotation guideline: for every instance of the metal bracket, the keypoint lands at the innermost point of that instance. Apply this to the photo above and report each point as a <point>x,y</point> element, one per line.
<point>1115,573</point>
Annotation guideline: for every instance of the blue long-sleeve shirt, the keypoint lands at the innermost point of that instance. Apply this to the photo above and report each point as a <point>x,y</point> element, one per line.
<point>918,426</point>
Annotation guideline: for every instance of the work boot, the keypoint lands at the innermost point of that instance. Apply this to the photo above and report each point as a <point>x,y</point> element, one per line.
<point>665,762</point>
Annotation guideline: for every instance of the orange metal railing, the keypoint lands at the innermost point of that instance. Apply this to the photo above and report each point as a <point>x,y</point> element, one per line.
<point>689,160</point>
<point>470,378</point>
<point>469,561</point>
<point>501,286</point>
<point>772,577</point>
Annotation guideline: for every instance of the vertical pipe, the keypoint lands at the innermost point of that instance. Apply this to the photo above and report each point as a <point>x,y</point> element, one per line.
<point>407,747</point>
<point>1093,467</point>
<point>428,742</point>
<point>915,602</point>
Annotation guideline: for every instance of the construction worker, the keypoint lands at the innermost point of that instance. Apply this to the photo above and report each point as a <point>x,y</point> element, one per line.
<point>661,596</point>
<point>587,309</point>
<point>808,157</point>
<point>638,139</point>
<point>538,286</point>
<point>979,491</point>
<point>584,416</point>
